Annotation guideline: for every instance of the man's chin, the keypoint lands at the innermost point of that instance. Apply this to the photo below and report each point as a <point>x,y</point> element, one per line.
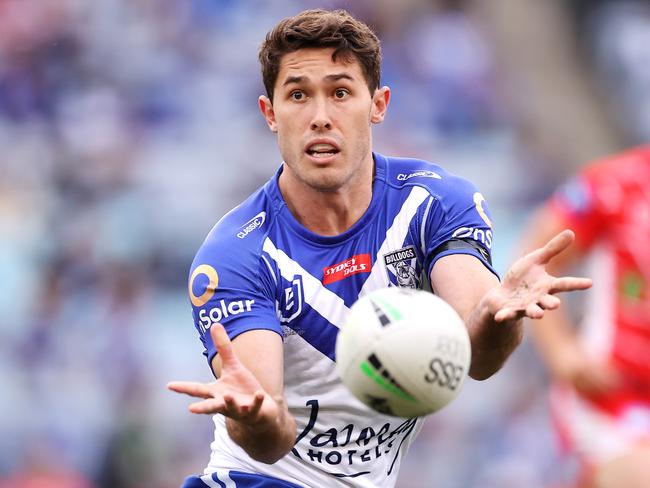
<point>326,181</point>
<point>326,186</point>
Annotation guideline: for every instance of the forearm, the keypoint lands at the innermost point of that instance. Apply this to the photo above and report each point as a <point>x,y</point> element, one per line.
<point>492,342</point>
<point>266,441</point>
<point>527,290</point>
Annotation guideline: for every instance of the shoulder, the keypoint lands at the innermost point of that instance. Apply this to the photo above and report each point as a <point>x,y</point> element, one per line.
<point>624,166</point>
<point>604,184</point>
<point>599,194</point>
<point>237,238</point>
<point>406,173</point>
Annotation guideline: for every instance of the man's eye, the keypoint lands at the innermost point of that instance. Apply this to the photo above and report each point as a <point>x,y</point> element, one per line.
<point>341,93</point>
<point>297,95</point>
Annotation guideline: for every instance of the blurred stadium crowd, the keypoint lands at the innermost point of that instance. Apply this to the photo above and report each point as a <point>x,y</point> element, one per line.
<point>128,127</point>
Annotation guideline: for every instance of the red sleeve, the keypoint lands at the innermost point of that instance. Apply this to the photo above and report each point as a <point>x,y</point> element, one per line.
<point>577,204</point>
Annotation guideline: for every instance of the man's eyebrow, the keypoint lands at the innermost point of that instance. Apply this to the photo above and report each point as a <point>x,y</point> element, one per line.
<point>339,76</point>
<point>330,78</point>
<point>293,79</point>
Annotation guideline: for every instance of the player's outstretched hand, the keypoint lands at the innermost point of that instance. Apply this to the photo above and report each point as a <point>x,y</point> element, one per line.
<point>527,289</point>
<point>236,394</point>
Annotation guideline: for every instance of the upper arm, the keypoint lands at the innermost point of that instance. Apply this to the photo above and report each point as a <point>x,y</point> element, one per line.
<point>260,351</point>
<point>458,246</point>
<point>461,280</point>
<point>459,222</point>
<point>230,285</point>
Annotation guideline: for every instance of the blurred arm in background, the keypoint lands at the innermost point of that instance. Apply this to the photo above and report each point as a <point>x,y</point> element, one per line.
<point>555,334</point>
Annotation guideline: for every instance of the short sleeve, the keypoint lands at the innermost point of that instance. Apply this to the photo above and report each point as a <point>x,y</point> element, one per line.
<point>458,222</point>
<point>576,204</point>
<point>233,290</point>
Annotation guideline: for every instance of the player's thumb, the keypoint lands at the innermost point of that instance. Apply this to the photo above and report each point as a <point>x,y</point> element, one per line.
<point>222,343</point>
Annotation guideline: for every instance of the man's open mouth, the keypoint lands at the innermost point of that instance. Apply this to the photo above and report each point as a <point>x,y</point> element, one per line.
<point>322,150</point>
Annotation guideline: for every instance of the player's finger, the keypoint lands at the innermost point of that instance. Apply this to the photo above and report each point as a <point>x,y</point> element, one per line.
<point>549,302</point>
<point>230,403</point>
<point>222,342</point>
<point>209,406</point>
<point>609,378</point>
<point>593,385</point>
<point>505,314</point>
<point>258,399</point>
<point>534,311</point>
<point>191,388</point>
<point>570,283</point>
<point>554,247</point>
<point>235,409</point>
<point>601,385</point>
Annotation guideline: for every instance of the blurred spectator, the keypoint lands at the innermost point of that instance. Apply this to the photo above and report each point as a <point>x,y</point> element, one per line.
<point>619,36</point>
<point>43,468</point>
<point>450,58</point>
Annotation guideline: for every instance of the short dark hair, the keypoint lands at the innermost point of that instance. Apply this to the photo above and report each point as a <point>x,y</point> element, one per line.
<point>321,29</point>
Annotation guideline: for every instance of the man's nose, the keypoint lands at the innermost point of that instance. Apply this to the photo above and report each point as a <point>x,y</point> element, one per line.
<point>321,119</point>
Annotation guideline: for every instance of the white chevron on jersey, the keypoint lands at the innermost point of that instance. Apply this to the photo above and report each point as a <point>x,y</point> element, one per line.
<point>423,239</point>
<point>394,239</point>
<point>207,479</point>
<point>327,303</point>
<point>224,477</point>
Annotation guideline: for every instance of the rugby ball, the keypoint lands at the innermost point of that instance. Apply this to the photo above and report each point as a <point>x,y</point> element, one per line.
<point>403,352</point>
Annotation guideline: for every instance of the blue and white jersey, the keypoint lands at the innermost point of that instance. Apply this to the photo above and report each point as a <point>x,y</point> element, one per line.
<point>259,268</point>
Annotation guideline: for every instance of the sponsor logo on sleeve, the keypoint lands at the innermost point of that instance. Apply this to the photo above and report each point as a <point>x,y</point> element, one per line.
<point>361,263</point>
<point>254,223</point>
<point>401,264</point>
<point>478,201</point>
<point>222,309</point>
<point>210,288</point>
<point>422,174</point>
<point>480,235</point>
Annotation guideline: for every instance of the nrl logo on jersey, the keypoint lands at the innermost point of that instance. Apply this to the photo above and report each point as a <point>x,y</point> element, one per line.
<point>292,301</point>
<point>251,225</point>
<point>401,265</point>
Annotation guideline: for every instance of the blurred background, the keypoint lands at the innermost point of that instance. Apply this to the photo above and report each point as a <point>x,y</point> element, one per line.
<point>128,127</point>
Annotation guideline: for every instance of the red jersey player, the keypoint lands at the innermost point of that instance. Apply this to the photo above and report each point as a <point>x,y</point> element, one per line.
<point>601,394</point>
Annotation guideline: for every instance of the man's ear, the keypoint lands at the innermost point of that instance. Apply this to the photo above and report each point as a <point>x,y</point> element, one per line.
<point>266,107</point>
<point>380,101</point>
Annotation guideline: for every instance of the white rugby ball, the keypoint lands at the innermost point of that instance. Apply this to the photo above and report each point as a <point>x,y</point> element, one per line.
<point>403,352</point>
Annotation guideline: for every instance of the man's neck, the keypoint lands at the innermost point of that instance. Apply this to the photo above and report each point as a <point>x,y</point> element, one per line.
<point>328,213</point>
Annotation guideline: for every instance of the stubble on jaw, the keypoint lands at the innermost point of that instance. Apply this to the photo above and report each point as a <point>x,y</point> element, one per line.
<point>326,181</point>
<point>328,184</point>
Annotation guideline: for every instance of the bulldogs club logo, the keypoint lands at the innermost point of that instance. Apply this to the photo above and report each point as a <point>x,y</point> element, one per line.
<point>401,264</point>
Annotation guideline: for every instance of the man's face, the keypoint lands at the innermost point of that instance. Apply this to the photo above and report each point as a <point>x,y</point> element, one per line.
<point>322,112</point>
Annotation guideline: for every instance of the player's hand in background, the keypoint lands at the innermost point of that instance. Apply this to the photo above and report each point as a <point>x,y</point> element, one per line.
<point>527,289</point>
<point>590,377</point>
